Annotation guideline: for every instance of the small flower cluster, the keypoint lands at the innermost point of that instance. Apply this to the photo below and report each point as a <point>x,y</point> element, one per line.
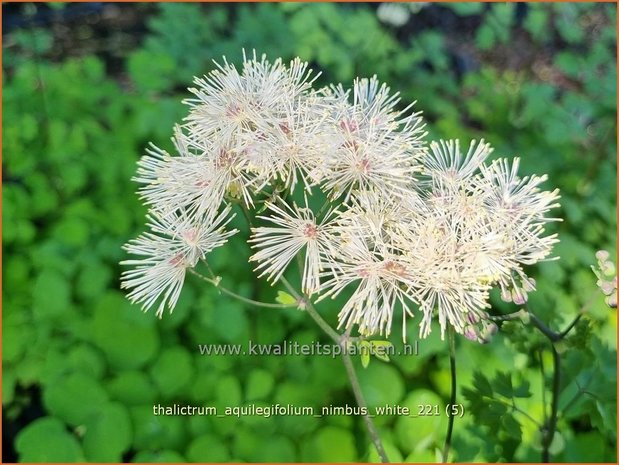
<point>607,277</point>
<point>405,227</point>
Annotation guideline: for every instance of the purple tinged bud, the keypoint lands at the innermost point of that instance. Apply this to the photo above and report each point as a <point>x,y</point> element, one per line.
<point>506,296</point>
<point>607,287</point>
<point>472,318</point>
<point>518,297</point>
<point>608,269</point>
<point>528,284</point>
<point>470,334</point>
<point>602,255</point>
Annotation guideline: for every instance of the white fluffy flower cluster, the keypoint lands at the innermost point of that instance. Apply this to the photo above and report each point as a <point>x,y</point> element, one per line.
<point>406,227</point>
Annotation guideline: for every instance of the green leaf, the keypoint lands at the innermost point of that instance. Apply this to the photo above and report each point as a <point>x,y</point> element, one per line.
<point>380,349</point>
<point>126,335</point>
<point>585,448</point>
<point>482,384</point>
<point>523,389</point>
<point>132,388</point>
<point>15,338</point>
<point>275,449</point>
<point>74,398</point>
<point>85,359</point>
<point>151,71</point>
<point>466,8</point>
<point>231,324</point>
<point>108,434</point>
<point>511,426</point>
<point>172,371</point>
<point>8,386</point>
<point>207,449</point>
<point>558,444</point>
<point>364,350</point>
<point>382,384</point>
<point>485,37</point>
<point>536,21</point>
<point>392,451</point>
<point>259,384</point>
<point>418,433</point>
<point>93,279</point>
<point>73,232</point>
<point>285,299</point>
<point>47,440</point>
<point>331,444</point>
<point>51,294</point>
<point>502,384</point>
<point>154,432</point>
<point>228,391</point>
<point>160,456</point>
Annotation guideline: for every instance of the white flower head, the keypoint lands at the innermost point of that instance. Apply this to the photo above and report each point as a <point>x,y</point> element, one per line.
<point>188,182</point>
<point>378,147</point>
<point>229,103</point>
<point>446,164</point>
<point>408,227</point>
<point>293,230</point>
<point>174,243</point>
<point>380,277</point>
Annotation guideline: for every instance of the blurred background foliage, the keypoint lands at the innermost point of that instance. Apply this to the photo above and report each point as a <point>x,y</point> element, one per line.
<point>87,86</point>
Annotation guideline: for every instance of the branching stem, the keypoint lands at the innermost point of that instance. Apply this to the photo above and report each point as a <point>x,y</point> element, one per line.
<point>215,282</point>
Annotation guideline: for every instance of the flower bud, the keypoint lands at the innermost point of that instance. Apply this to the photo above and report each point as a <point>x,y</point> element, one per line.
<point>528,284</point>
<point>608,268</point>
<point>470,334</point>
<point>472,318</point>
<point>602,255</point>
<point>519,297</point>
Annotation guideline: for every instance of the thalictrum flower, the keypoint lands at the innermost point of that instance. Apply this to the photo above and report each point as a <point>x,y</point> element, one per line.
<point>408,228</point>
<point>174,243</point>
<point>293,230</point>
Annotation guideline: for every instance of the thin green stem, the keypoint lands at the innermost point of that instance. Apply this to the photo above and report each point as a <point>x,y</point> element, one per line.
<point>257,303</point>
<point>515,408</point>
<point>309,308</point>
<point>452,400</point>
<point>564,333</point>
<point>551,426</point>
<point>539,324</point>
<point>350,369</point>
<point>358,393</point>
<point>581,391</point>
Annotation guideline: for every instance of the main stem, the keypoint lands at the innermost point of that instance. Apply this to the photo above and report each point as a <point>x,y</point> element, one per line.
<point>452,400</point>
<point>350,369</point>
<point>369,423</point>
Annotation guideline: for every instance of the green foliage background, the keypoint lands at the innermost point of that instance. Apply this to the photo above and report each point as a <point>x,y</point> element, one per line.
<point>82,368</point>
